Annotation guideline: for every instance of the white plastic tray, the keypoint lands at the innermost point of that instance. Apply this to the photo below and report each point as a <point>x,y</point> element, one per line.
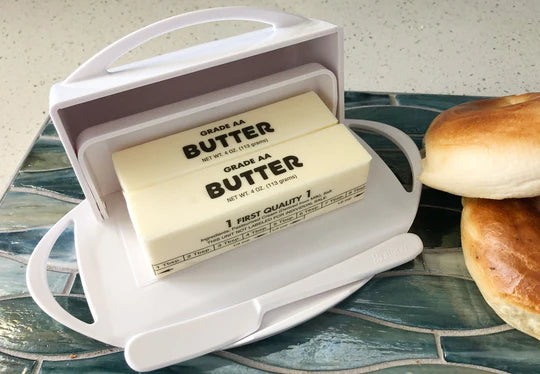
<point>122,308</point>
<point>145,317</point>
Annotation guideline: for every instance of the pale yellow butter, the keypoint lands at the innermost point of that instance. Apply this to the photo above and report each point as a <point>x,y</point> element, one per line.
<point>196,216</point>
<point>165,158</point>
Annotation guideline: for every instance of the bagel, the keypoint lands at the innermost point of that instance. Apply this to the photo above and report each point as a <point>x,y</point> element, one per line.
<point>501,247</point>
<point>486,148</point>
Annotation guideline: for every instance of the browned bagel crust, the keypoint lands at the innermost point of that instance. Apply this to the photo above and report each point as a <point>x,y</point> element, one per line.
<point>486,149</point>
<point>491,123</point>
<point>501,245</point>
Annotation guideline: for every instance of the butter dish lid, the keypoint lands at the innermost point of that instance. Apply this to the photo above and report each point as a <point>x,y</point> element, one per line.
<point>95,94</point>
<point>94,79</point>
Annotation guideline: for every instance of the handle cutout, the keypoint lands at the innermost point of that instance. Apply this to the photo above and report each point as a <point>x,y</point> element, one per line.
<point>99,63</point>
<point>38,286</point>
<point>63,251</point>
<point>181,39</point>
<point>62,255</point>
<point>391,154</point>
<point>403,141</point>
<point>76,306</point>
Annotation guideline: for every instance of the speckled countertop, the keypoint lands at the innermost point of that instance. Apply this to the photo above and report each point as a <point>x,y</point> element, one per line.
<point>458,47</point>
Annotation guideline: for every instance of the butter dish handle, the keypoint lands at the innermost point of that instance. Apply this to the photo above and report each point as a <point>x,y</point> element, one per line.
<point>404,142</point>
<point>38,286</point>
<point>98,64</point>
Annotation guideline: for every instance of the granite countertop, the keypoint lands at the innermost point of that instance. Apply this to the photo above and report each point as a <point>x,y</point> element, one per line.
<point>462,47</point>
<point>426,316</point>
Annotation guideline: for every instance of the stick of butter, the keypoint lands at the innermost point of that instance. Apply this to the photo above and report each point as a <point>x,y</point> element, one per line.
<point>196,216</point>
<point>165,158</point>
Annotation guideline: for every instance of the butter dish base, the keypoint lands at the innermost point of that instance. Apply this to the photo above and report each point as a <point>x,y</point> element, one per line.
<point>122,307</point>
<point>125,303</point>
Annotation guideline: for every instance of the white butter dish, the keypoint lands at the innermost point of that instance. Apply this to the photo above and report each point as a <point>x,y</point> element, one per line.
<point>97,111</point>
